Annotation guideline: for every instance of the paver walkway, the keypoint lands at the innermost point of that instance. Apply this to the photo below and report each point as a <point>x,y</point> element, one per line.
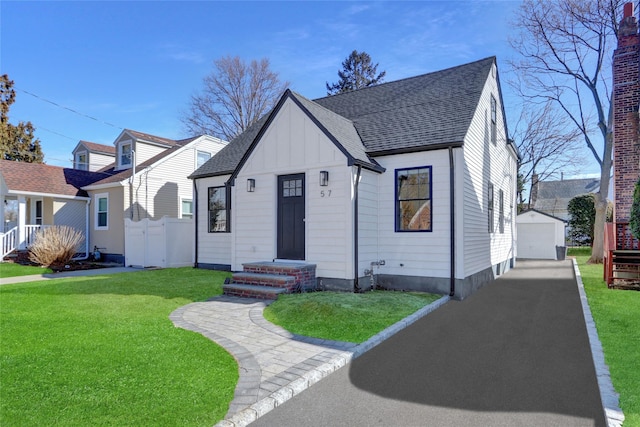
<point>275,365</point>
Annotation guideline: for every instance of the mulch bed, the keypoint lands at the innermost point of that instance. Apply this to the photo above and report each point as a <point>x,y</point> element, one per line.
<point>22,258</point>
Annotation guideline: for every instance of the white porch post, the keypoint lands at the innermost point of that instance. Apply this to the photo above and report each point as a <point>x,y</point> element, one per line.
<point>22,219</point>
<point>2,205</point>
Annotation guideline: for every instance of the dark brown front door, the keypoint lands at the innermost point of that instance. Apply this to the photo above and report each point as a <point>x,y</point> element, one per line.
<point>291,216</point>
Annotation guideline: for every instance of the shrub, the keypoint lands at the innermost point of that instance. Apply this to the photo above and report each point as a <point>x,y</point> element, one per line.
<point>582,216</point>
<point>55,245</point>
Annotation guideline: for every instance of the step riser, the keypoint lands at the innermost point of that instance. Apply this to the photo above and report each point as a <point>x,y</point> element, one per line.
<point>305,275</point>
<point>272,278</point>
<point>251,294</point>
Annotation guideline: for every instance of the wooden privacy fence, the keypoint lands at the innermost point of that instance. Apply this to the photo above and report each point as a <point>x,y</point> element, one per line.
<point>165,243</point>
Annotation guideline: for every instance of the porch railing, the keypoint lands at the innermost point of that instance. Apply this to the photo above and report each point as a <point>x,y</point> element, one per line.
<point>30,232</point>
<point>9,241</point>
<point>621,254</point>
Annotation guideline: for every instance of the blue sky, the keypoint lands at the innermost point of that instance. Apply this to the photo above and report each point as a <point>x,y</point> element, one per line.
<point>135,64</point>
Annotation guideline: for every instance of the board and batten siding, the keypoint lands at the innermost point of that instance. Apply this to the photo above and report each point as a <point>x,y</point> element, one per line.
<point>294,144</point>
<point>484,163</point>
<point>415,253</point>
<point>213,248</point>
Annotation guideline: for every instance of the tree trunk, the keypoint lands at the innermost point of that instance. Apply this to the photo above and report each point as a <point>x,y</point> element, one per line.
<point>597,250</point>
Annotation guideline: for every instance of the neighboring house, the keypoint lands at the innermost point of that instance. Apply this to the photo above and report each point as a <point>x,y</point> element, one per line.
<point>409,183</point>
<point>42,195</point>
<point>553,197</point>
<point>90,156</point>
<point>147,178</point>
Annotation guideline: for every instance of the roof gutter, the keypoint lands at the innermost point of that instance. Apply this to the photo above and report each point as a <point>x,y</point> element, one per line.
<point>452,227</point>
<point>356,286</point>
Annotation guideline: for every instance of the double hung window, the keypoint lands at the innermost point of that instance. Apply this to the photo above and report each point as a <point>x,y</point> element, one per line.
<point>413,199</point>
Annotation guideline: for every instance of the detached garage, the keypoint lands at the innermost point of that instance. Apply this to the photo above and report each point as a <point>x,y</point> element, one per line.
<point>540,235</point>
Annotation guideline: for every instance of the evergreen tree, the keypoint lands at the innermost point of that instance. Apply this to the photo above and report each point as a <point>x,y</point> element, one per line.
<point>17,142</point>
<point>357,72</point>
<point>582,217</point>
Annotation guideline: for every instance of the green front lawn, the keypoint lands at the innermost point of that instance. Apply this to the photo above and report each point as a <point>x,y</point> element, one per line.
<point>617,317</point>
<point>344,316</point>
<point>10,269</point>
<point>101,350</point>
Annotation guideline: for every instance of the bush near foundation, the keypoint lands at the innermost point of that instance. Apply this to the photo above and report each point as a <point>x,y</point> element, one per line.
<point>55,245</point>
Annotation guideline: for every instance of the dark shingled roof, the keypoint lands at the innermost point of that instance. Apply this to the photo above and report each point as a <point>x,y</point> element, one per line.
<point>45,179</point>
<point>419,113</point>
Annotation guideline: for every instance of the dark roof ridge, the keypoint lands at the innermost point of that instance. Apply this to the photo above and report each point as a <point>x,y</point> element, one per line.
<point>323,107</point>
<point>493,57</point>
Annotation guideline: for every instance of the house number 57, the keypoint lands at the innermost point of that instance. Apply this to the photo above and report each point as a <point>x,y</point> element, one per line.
<point>324,193</point>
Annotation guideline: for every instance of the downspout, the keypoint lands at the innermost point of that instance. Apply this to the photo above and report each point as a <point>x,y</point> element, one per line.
<point>86,233</point>
<point>133,176</point>
<point>356,286</point>
<point>195,218</point>
<point>452,227</point>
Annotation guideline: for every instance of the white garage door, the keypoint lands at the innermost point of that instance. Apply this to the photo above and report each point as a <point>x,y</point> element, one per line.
<point>536,241</point>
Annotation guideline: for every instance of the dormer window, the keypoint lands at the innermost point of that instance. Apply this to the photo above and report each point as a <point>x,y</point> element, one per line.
<point>81,161</point>
<point>125,155</point>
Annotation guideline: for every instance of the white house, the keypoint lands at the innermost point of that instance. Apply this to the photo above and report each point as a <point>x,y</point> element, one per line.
<point>146,179</point>
<point>406,185</point>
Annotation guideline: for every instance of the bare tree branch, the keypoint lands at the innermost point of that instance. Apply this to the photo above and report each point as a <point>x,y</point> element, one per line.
<point>564,48</point>
<point>234,96</point>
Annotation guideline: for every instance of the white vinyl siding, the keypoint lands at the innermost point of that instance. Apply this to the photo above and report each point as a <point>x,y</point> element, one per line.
<point>98,161</point>
<point>159,189</point>
<point>415,254</point>
<point>486,163</point>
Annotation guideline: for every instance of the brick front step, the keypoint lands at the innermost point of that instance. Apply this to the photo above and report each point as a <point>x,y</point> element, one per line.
<point>264,279</point>
<point>304,273</point>
<point>252,291</point>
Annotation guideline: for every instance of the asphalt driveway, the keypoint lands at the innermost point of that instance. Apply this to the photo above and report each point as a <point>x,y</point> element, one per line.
<point>515,353</point>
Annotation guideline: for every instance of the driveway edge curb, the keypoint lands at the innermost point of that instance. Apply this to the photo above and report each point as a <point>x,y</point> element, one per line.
<point>608,394</point>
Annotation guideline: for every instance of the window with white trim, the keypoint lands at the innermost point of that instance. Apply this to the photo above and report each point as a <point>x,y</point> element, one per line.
<point>81,161</point>
<point>186,208</point>
<point>125,154</point>
<point>494,120</point>
<point>102,211</point>
<point>501,211</point>
<point>490,208</point>
<point>202,157</point>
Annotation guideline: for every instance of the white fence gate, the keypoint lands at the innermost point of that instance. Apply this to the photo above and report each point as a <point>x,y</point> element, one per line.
<point>165,243</point>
